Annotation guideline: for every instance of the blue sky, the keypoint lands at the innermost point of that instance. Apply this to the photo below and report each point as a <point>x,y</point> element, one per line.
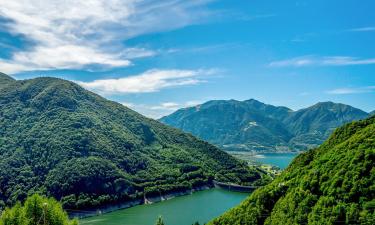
<point>158,56</point>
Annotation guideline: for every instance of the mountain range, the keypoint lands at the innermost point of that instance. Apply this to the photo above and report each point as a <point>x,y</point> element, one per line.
<point>60,140</point>
<point>254,126</point>
<point>332,184</point>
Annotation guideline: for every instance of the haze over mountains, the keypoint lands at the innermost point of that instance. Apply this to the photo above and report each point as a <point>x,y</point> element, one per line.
<point>254,126</point>
<point>58,139</point>
<point>333,184</point>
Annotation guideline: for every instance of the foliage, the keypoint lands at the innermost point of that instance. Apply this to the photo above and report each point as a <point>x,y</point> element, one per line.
<point>333,184</point>
<point>37,210</point>
<point>60,140</point>
<point>252,125</point>
<point>160,221</point>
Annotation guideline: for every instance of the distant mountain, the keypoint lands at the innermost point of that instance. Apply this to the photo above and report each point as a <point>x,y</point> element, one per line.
<point>58,139</point>
<point>234,125</point>
<point>372,113</point>
<point>333,184</point>
<point>253,125</point>
<point>5,79</point>
<point>311,126</point>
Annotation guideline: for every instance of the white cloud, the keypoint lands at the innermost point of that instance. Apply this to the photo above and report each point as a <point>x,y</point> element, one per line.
<point>74,34</point>
<point>167,106</point>
<point>362,29</point>
<point>358,90</point>
<point>160,110</point>
<point>149,81</point>
<point>310,60</point>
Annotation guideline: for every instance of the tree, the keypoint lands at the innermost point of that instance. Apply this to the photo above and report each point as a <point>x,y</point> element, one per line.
<point>160,221</point>
<point>37,210</point>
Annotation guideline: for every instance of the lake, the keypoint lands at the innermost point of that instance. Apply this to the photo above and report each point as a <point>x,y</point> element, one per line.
<point>281,160</point>
<point>201,206</point>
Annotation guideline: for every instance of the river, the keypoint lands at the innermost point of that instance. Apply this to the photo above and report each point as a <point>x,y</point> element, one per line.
<point>200,206</point>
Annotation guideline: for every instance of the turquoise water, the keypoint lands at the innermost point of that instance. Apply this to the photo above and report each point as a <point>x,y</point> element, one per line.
<point>281,160</point>
<point>201,206</point>
<point>185,210</point>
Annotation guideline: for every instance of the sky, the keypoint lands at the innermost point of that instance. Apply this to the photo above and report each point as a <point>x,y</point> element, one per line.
<point>158,56</point>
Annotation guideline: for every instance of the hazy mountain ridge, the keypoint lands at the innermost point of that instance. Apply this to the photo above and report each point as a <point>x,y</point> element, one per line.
<point>253,125</point>
<point>56,138</point>
<point>333,184</point>
<point>5,79</point>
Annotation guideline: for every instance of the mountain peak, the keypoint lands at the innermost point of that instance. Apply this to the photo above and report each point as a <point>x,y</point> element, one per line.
<point>326,104</point>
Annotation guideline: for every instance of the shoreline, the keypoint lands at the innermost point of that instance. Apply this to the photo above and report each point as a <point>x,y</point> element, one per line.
<point>263,152</point>
<point>81,214</point>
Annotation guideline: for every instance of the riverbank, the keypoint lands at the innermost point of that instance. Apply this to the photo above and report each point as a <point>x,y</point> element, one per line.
<point>146,200</point>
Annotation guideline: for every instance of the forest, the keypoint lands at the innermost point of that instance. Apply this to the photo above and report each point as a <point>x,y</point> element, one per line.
<point>332,184</point>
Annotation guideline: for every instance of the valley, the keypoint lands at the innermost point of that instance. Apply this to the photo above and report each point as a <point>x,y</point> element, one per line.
<point>175,112</point>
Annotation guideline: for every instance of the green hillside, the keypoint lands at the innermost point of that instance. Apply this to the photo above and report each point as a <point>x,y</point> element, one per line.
<point>252,125</point>
<point>333,184</point>
<point>58,139</point>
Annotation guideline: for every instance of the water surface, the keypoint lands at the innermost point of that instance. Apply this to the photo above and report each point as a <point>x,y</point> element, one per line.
<point>201,206</point>
<point>281,160</point>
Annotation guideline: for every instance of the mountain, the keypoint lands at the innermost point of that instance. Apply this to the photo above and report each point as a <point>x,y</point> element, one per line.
<point>58,139</point>
<point>252,125</point>
<point>332,184</point>
<point>372,113</point>
<point>313,125</point>
<point>234,124</point>
<point>5,80</point>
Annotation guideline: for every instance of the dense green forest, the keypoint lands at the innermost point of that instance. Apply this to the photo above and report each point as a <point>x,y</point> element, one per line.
<point>253,125</point>
<point>36,210</point>
<point>332,184</point>
<point>60,140</point>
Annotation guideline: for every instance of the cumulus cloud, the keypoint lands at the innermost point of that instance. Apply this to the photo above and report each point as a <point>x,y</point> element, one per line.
<point>149,81</point>
<point>358,90</point>
<point>309,60</point>
<point>73,34</point>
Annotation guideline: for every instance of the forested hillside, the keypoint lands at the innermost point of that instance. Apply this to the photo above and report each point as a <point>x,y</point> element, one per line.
<point>333,184</point>
<point>253,125</point>
<point>58,139</point>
